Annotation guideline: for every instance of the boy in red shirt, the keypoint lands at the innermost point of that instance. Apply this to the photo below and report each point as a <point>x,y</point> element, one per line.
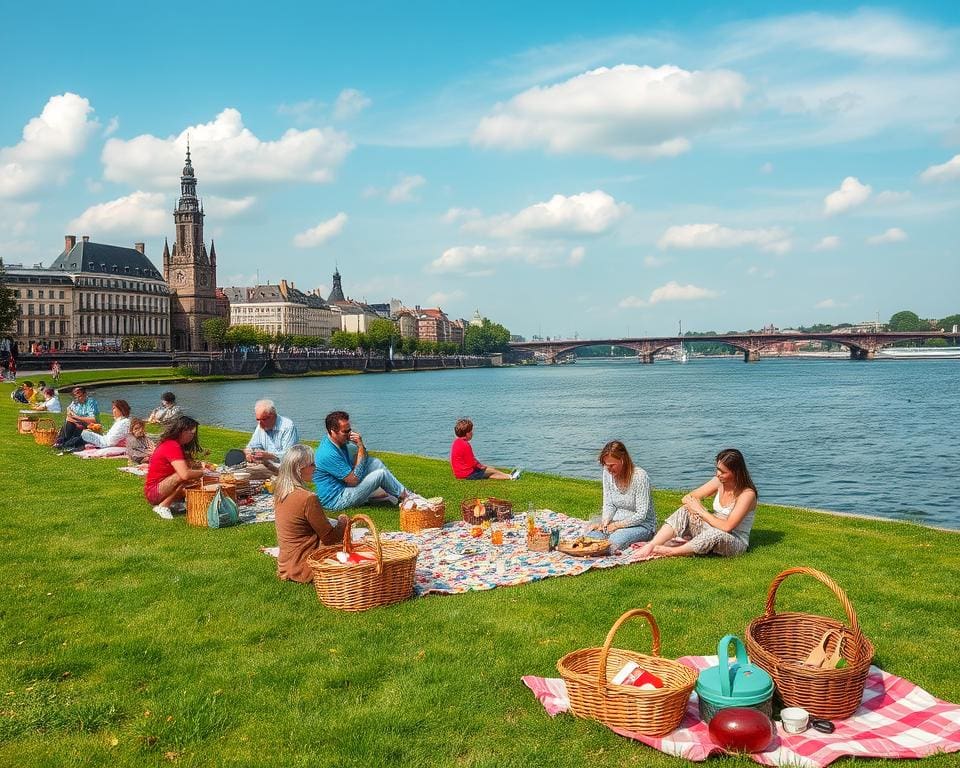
<point>464,463</point>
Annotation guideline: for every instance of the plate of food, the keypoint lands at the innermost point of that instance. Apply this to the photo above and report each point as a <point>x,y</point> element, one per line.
<point>584,547</point>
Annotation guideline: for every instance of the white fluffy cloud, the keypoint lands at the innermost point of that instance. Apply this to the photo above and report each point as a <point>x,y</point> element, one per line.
<point>850,194</point>
<point>690,236</point>
<point>948,171</point>
<point>349,103</point>
<point>58,134</point>
<point>589,213</point>
<point>404,190</point>
<point>228,208</point>
<point>480,260</point>
<point>892,235</point>
<point>458,214</point>
<point>140,213</point>
<point>225,152</point>
<point>440,298</point>
<point>626,111</point>
<point>672,291</point>
<point>323,232</point>
<point>828,243</point>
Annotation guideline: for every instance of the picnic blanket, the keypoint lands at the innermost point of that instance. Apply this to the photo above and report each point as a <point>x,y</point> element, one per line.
<point>451,561</point>
<point>896,719</point>
<point>114,452</point>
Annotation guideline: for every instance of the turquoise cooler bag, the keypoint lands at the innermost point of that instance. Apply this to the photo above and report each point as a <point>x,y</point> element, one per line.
<point>740,684</point>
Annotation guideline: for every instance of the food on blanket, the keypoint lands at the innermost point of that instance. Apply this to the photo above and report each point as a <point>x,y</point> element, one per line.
<point>496,537</point>
<point>740,729</point>
<point>585,542</point>
<point>476,532</point>
<point>794,719</point>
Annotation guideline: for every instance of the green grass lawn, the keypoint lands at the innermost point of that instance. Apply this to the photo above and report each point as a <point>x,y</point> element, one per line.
<point>129,641</point>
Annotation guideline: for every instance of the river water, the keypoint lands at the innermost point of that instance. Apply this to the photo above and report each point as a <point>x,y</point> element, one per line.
<point>879,438</point>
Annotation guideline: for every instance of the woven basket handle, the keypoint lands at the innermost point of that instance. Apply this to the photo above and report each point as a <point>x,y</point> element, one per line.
<point>604,652</point>
<point>348,538</point>
<point>45,423</point>
<point>832,586</point>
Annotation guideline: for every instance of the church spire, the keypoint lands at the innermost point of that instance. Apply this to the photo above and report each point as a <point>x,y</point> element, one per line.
<point>337,293</point>
<point>188,186</point>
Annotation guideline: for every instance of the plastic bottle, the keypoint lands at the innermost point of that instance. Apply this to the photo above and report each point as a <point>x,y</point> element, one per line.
<point>531,519</point>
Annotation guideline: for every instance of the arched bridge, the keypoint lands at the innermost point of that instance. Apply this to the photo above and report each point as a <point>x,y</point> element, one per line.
<point>862,346</point>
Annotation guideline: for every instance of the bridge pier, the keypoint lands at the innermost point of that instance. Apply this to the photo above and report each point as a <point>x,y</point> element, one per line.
<point>751,355</point>
<point>645,358</point>
<point>858,353</point>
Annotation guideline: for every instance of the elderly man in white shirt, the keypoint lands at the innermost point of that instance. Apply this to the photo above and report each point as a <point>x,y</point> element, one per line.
<point>272,438</point>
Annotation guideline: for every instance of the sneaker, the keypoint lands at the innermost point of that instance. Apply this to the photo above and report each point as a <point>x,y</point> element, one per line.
<point>163,511</point>
<point>390,499</point>
<point>515,475</point>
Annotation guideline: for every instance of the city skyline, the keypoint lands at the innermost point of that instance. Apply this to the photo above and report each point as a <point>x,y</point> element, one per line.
<point>603,176</point>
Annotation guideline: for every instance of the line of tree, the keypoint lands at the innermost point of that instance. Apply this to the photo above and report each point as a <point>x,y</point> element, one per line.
<point>8,304</point>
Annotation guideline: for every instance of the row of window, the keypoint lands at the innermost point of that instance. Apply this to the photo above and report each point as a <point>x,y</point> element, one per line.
<point>124,285</point>
<point>44,309</point>
<point>44,327</point>
<point>40,295</point>
<point>124,325</point>
<point>112,301</point>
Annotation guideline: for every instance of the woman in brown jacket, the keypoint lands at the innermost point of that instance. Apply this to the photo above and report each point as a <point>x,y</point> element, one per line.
<point>301,523</point>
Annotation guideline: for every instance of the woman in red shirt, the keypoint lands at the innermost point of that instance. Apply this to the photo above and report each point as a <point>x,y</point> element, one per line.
<point>169,471</point>
<point>464,463</point>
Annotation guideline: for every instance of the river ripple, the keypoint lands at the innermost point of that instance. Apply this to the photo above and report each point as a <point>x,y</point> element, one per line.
<point>877,438</point>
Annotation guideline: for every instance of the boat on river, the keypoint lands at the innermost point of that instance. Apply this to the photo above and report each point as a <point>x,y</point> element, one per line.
<point>919,353</point>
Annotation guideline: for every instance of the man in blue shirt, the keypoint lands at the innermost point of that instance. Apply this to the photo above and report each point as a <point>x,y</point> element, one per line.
<point>272,438</point>
<point>345,476</point>
<point>81,414</point>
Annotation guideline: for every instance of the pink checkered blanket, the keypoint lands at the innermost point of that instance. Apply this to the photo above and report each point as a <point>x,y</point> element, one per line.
<point>896,719</point>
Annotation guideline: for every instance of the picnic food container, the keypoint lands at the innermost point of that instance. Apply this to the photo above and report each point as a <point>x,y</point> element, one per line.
<point>475,511</point>
<point>585,547</point>
<point>45,431</point>
<point>780,642</point>
<point>588,674</point>
<point>198,498</point>
<point>359,586</point>
<point>415,518</point>
<point>741,684</point>
<point>538,541</point>
<point>25,424</point>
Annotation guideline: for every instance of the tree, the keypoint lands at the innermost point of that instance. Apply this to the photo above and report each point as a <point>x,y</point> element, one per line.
<point>948,322</point>
<point>486,338</point>
<point>907,321</point>
<point>8,304</point>
<point>344,340</point>
<point>382,334</point>
<point>409,345</point>
<point>215,331</point>
<point>243,336</point>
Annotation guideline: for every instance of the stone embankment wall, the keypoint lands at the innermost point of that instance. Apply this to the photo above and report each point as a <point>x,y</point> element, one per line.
<point>261,364</point>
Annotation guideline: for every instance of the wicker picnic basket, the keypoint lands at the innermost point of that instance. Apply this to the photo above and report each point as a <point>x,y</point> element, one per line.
<point>198,498</point>
<point>415,519</point>
<point>494,510</point>
<point>779,643</point>
<point>25,424</point>
<point>360,586</point>
<point>588,672</point>
<point>45,432</point>
<point>538,541</point>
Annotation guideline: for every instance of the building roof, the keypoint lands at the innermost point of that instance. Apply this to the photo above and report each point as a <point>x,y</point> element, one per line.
<point>106,260</point>
<point>278,294</point>
<point>15,274</point>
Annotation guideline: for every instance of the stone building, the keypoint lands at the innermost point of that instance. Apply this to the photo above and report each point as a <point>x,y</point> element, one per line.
<point>282,308</point>
<point>93,297</point>
<point>190,272</point>
<point>432,325</point>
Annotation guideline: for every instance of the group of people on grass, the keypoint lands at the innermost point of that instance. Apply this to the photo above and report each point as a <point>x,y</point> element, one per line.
<point>344,475</point>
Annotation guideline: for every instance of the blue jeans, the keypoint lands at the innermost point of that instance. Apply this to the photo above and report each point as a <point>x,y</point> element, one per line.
<point>376,478</point>
<point>623,537</point>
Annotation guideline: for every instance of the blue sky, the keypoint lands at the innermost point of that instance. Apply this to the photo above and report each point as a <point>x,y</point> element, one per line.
<point>601,172</point>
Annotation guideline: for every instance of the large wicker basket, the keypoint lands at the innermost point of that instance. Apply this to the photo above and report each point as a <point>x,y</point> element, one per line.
<point>25,424</point>
<point>45,432</point>
<point>780,642</point>
<point>360,586</point>
<point>656,712</point>
<point>416,519</point>
<point>494,510</point>
<point>198,498</point>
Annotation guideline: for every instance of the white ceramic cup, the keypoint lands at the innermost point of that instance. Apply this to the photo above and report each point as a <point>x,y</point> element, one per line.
<point>795,719</point>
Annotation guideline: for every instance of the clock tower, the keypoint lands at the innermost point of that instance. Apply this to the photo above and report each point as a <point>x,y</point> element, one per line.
<point>189,271</point>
